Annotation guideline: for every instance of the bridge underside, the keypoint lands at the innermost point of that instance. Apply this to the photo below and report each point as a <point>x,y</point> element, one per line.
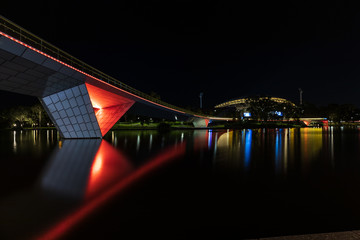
<point>79,106</point>
<point>85,111</point>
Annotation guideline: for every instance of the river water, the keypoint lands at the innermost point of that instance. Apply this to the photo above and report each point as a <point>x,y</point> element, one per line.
<point>179,184</point>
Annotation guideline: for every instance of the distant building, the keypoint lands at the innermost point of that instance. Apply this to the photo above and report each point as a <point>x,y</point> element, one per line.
<point>259,106</point>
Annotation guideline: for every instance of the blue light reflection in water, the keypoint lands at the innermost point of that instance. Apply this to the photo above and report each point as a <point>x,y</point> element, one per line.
<point>278,149</point>
<point>247,149</point>
<point>210,139</point>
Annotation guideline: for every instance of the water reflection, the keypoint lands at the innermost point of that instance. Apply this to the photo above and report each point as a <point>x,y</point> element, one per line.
<point>68,170</point>
<point>83,168</point>
<point>83,175</point>
<point>109,166</point>
<point>32,139</point>
<point>110,173</point>
<point>278,150</point>
<point>14,141</point>
<point>279,147</point>
<point>247,148</point>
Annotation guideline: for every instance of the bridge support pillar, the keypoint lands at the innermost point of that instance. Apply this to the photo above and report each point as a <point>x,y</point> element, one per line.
<point>85,111</point>
<point>72,113</point>
<point>200,122</point>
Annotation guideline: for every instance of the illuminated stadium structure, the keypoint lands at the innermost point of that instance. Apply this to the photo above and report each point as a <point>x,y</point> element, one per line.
<point>243,105</point>
<point>243,102</point>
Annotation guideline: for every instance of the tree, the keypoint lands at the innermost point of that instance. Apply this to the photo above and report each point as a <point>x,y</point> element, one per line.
<point>261,108</point>
<point>338,113</point>
<point>36,113</point>
<point>20,116</point>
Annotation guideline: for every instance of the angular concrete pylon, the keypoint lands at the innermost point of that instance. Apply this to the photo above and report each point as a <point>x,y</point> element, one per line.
<point>85,111</point>
<point>72,113</point>
<point>109,107</point>
<point>200,122</point>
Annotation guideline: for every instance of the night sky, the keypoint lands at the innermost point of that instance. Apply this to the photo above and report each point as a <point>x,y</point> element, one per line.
<point>225,50</point>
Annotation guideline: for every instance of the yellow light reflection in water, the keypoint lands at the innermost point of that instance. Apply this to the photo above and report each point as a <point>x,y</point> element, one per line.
<point>224,139</point>
<point>311,142</point>
<point>14,141</point>
<point>226,156</point>
<point>233,149</point>
<point>286,149</point>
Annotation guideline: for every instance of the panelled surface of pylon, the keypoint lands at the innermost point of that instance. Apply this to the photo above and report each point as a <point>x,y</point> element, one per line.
<point>200,122</point>
<point>107,117</point>
<point>72,112</point>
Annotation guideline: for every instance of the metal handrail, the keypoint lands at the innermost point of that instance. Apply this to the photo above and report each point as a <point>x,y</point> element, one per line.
<point>23,35</point>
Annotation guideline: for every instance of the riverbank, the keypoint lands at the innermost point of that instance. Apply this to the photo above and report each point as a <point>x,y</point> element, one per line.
<point>225,125</point>
<point>220,125</point>
<point>263,124</point>
<point>215,125</point>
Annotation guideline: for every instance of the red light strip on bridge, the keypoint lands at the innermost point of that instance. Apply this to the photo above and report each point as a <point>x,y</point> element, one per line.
<point>86,74</point>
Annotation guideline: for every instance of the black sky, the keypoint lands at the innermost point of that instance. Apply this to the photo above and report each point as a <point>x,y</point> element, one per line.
<point>224,49</point>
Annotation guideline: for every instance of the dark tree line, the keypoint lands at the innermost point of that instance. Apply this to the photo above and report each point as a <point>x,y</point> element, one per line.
<point>24,116</point>
<point>333,112</point>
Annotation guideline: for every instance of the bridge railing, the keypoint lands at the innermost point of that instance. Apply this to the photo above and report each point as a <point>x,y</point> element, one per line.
<point>24,36</point>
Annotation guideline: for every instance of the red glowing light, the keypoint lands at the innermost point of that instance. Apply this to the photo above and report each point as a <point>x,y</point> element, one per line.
<point>107,117</point>
<point>207,121</point>
<point>109,107</point>
<point>307,123</point>
<point>109,166</point>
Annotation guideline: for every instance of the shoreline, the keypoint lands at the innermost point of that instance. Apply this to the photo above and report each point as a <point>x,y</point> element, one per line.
<point>189,128</point>
<point>177,126</point>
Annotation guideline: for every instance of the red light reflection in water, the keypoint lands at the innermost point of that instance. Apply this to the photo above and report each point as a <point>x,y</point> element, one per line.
<point>109,166</point>
<point>201,140</point>
<point>65,225</point>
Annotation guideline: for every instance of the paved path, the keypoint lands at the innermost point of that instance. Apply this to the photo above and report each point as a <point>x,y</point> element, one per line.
<point>348,235</point>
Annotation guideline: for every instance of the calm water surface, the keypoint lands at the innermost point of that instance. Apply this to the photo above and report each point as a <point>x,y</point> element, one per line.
<point>179,184</point>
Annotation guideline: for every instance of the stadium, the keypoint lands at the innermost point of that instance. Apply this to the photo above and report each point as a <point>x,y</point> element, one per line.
<point>249,106</point>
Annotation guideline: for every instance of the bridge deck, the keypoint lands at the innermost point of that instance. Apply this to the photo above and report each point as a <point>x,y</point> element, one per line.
<point>20,35</point>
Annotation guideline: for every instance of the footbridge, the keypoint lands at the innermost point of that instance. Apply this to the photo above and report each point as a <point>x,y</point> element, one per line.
<point>82,101</point>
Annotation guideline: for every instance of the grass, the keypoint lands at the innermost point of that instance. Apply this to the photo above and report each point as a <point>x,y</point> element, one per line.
<point>138,125</point>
